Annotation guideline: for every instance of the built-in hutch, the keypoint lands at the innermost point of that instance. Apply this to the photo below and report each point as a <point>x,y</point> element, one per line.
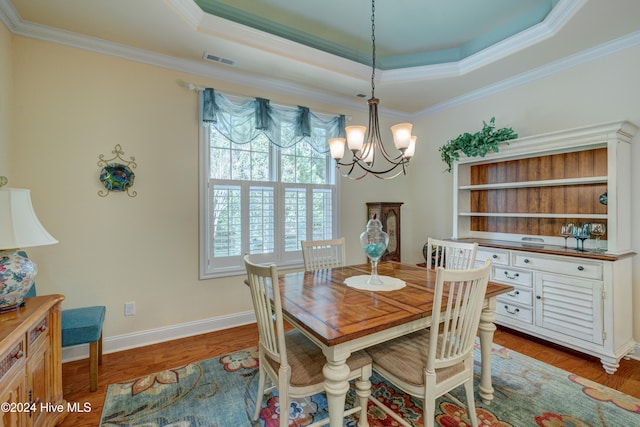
<point>513,204</point>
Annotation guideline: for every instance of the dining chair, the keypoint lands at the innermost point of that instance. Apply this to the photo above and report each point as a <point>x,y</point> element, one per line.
<point>431,362</point>
<point>322,254</point>
<point>293,362</point>
<point>450,254</point>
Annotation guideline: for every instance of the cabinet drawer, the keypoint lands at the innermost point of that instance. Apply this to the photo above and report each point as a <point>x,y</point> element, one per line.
<point>518,296</point>
<point>38,333</point>
<point>10,360</point>
<point>514,312</point>
<point>497,256</point>
<point>512,277</point>
<point>577,268</point>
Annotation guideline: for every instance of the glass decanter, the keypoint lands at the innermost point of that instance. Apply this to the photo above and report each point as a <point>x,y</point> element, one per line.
<point>374,241</point>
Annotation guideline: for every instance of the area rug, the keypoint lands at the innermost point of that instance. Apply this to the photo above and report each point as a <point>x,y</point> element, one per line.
<point>220,392</point>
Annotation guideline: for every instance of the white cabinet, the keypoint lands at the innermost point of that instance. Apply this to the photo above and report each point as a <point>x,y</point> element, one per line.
<point>568,300</point>
<point>513,203</point>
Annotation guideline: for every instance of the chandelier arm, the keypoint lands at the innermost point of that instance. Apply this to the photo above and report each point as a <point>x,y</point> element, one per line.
<point>366,171</point>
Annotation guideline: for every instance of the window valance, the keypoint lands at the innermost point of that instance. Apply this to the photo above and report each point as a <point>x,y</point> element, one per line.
<point>241,123</point>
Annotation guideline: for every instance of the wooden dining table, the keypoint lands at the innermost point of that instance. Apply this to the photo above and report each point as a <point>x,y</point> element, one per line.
<point>341,319</point>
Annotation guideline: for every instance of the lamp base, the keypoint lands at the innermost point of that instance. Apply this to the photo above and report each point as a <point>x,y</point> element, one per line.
<point>17,273</point>
<point>10,308</point>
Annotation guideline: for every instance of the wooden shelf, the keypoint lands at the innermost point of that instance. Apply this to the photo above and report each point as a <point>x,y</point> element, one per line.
<point>542,183</point>
<point>534,215</point>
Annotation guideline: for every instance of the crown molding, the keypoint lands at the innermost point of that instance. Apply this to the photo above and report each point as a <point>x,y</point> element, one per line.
<point>559,16</point>
<point>18,26</point>
<point>629,41</point>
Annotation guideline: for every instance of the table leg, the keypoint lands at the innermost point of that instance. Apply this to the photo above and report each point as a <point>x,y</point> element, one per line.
<point>336,385</point>
<point>486,329</point>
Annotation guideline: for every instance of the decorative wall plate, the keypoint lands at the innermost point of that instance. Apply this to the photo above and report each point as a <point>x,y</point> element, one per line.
<point>117,177</point>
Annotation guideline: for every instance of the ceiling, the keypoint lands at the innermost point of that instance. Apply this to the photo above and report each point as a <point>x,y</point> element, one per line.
<point>429,53</point>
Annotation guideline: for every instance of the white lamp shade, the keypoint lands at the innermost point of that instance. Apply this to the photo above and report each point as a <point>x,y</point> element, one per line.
<point>19,225</point>
<point>336,146</point>
<point>411,149</point>
<point>401,135</point>
<point>355,137</point>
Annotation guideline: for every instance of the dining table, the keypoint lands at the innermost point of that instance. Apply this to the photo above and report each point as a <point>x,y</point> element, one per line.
<point>342,319</point>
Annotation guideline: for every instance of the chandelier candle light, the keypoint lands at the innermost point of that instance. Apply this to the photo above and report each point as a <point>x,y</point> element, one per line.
<point>367,148</point>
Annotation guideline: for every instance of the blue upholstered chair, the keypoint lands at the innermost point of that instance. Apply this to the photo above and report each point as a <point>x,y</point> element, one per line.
<point>83,326</point>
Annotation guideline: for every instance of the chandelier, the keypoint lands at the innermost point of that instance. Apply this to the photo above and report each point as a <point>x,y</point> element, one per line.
<point>368,155</point>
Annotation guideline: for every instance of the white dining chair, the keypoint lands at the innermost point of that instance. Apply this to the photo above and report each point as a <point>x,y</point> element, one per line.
<point>292,362</point>
<point>323,254</point>
<point>430,363</point>
<point>450,254</point>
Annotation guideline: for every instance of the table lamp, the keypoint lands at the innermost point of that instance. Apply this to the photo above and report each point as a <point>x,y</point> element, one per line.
<point>19,228</point>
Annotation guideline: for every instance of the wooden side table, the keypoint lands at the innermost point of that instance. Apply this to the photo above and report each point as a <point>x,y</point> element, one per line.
<point>31,363</point>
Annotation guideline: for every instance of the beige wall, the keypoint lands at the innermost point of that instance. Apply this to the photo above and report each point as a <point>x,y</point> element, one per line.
<point>73,105</point>
<point>6,75</point>
<point>604,90</point>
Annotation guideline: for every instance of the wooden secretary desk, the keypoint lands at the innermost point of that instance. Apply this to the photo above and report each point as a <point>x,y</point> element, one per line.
<point>389,215</point>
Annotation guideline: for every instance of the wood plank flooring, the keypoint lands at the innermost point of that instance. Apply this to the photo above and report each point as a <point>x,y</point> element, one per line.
<point>126,365</point>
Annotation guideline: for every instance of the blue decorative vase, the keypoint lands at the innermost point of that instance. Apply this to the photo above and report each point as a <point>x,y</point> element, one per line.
<point>17,273</point>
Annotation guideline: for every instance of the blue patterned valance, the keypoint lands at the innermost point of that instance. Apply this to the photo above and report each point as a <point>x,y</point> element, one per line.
<point>242,122</point>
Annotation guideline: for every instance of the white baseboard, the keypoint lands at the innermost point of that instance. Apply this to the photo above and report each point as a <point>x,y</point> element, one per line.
<point>635,354</point>
<point>153,336</point>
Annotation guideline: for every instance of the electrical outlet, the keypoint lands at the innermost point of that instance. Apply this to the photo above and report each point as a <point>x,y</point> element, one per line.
<point>129,308</point>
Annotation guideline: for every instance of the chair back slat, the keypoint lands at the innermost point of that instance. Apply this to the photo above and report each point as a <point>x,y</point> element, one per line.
<point>323,254</point>
<point>459,295</point>
<point>450,254</point>
<point>265,295</point>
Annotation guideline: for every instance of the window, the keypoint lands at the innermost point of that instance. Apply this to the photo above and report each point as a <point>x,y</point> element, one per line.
<point>265,186</point>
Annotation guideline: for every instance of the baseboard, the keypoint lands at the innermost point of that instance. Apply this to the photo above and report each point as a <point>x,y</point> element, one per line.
<point>153,336</point>
<point>635,354</point>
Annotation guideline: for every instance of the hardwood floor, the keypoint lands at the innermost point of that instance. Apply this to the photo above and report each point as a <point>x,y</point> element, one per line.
<point>126,365</point>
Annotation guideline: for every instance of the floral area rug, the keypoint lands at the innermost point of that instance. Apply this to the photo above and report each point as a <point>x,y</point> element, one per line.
<point>221,392</point>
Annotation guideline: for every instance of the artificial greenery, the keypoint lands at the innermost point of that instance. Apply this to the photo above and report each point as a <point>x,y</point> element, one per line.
<point>477,144</point>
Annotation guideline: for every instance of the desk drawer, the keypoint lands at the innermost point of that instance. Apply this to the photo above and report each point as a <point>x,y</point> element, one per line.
<point>572,267</point>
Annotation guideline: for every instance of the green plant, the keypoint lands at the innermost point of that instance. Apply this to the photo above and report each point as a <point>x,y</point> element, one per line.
<point>477,144</point>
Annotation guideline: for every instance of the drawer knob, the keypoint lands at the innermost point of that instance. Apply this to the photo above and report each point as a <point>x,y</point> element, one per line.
<point>516,311</point>
<point>494,256</point>
<point>514,294</point>
<point>580,268</point>
<point>526,260</point>
<point>514,276</point>
<point>538,297</point>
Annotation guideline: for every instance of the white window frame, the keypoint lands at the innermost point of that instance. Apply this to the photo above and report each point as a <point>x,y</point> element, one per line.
<point>209,269</point>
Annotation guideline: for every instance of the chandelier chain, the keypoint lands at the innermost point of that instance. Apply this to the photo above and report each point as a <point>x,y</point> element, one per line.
<point>373,47</point>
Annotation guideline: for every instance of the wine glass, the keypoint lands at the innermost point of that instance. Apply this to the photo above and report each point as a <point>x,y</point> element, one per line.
<point>597,229</point>
<point>581,233</point>
<point>565,231</point>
